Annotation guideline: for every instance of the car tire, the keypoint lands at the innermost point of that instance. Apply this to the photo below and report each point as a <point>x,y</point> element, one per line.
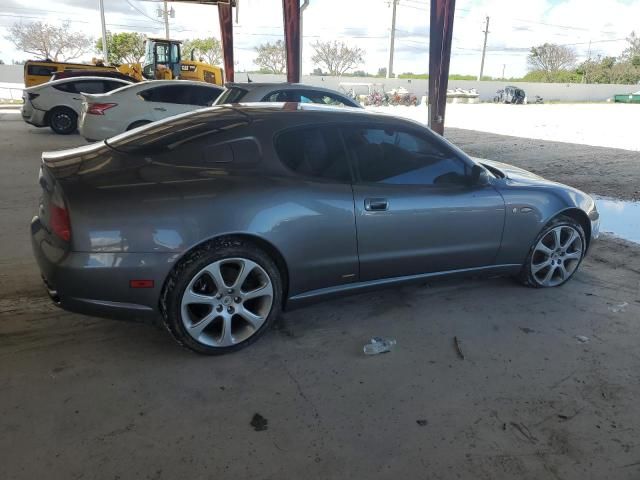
<point>555,254</point>
<point>212,319</point>
<point>63,120</point>
<point>137,124</point>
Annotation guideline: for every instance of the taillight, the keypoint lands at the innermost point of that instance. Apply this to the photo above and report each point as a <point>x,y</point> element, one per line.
<point>33,96</point>
<point>99,108</point>
<point>59,221</point>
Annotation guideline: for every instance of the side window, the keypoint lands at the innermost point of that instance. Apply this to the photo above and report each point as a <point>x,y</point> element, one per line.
<point>402,158</point>
<point>180,94</point>
<point>283,96</point>
<point>321,98</point>
<point>41,70</point>
<point>111,85</point>
<point>203,96</point>
<point>68,87</point>
<point>314,152</point>
<point>89,86</point>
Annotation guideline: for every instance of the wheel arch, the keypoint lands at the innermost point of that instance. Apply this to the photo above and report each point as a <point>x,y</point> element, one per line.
<point>258,241</point>
<point>582,218</point>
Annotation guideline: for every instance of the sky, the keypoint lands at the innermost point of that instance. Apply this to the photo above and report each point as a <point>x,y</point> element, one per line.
<point>514,26</point>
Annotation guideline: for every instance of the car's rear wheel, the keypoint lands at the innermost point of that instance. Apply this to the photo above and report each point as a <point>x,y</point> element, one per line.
<point>63,121</point>
<point>222,297</point>
<point>137,124</point>
<point>555,254</point>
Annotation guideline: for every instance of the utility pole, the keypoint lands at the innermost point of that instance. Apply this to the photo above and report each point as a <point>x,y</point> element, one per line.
<point>392,38</point>
<point>585,75</point>
<point>503,67</point>
<point>105,51</point>
<point>304,5</point>
<point>484,48</point>
<point>165,13</point>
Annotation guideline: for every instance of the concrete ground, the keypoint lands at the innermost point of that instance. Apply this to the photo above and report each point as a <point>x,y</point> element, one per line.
<point>83,397</point>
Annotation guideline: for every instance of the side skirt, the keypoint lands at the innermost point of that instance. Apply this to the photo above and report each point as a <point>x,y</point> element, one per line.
<point>314,296</point>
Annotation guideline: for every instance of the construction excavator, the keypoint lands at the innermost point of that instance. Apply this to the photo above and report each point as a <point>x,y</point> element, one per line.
<point>162,61</point>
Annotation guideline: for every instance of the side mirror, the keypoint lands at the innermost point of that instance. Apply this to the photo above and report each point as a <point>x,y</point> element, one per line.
<point>479,176</point>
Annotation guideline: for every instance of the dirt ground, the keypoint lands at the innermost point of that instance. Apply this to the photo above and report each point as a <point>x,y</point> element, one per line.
<point>83,397</point>
<point>604,171</point>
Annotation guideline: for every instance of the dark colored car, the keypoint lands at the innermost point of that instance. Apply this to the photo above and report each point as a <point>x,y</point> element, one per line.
<point>93,73</point>
<point>283,92</point>
<point>217,219</point>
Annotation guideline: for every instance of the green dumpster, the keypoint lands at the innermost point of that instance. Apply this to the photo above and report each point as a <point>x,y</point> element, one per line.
<point>627,98</point>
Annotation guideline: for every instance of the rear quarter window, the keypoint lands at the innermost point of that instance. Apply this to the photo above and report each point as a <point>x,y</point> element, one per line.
<point>314,152</point>
<point>231,95</point>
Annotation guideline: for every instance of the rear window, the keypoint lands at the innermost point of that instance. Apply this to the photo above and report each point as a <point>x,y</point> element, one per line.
<point>231,95</point>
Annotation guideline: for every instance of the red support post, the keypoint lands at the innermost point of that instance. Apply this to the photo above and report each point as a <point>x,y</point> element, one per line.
<point>291,12</point>
<point>440,36</point>
<point>226,34</point>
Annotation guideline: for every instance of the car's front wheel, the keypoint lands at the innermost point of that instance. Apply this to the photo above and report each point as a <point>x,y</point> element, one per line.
<point>222,297</point>
<point>555,254</point>
<point>63,121</point>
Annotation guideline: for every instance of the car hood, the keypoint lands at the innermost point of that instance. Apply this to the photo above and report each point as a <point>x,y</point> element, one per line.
<point>514,173</point>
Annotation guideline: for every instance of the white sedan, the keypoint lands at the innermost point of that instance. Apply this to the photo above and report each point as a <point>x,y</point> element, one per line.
<point>57,103</point>
<point>104,116</point>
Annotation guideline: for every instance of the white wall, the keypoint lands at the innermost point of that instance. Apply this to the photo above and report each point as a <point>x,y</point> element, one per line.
<point>572,92</point>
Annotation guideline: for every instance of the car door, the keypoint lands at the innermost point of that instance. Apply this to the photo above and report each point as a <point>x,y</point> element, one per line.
<point>415,210</point>
<point>72,91</point>
<point>167,100</point>
<point>318,228</point>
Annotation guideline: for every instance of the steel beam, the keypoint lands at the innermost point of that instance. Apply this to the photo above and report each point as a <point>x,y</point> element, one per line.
<point>291,13</point>
<point>226,35</point>
<point>440,36</point>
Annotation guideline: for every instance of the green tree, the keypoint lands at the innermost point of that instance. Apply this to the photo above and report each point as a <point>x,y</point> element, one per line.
<point>208,50</point>
<point>551,59</point>
<point>124,47</point>
<point>632,52</point>
<point>272,57</point>
<point>58,43</point>
<point>337,57</point>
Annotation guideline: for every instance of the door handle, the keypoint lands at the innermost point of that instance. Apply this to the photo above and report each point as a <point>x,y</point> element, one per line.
<point>376,204</point>
<point>160,109</point>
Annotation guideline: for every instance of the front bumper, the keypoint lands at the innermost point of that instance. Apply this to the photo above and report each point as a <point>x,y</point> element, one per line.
<point>99,283</point>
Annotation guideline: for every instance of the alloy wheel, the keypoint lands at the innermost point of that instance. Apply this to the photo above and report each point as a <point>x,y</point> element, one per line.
<point>556,256</point>
<point>227,302</point>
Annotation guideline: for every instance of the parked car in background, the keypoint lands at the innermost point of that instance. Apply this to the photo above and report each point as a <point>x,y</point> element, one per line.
<point>510,94</point>
<point>215,220</point>
<point>104,116</point>
<point>283,92</point>
<point>93,73</point>
<point>57,104</point>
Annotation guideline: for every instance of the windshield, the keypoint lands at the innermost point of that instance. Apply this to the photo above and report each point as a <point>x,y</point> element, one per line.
<point>231,95</point>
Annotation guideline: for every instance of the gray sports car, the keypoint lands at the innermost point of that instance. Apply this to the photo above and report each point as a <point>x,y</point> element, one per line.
<point>217,219</point>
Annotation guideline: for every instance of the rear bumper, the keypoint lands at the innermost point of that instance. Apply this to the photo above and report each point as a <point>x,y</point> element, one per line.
<point>99,283</point>
<point>100,128</point>
<point>33,116</point>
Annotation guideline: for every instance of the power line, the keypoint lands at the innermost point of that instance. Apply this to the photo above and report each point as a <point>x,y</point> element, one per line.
<point>142,13</point>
